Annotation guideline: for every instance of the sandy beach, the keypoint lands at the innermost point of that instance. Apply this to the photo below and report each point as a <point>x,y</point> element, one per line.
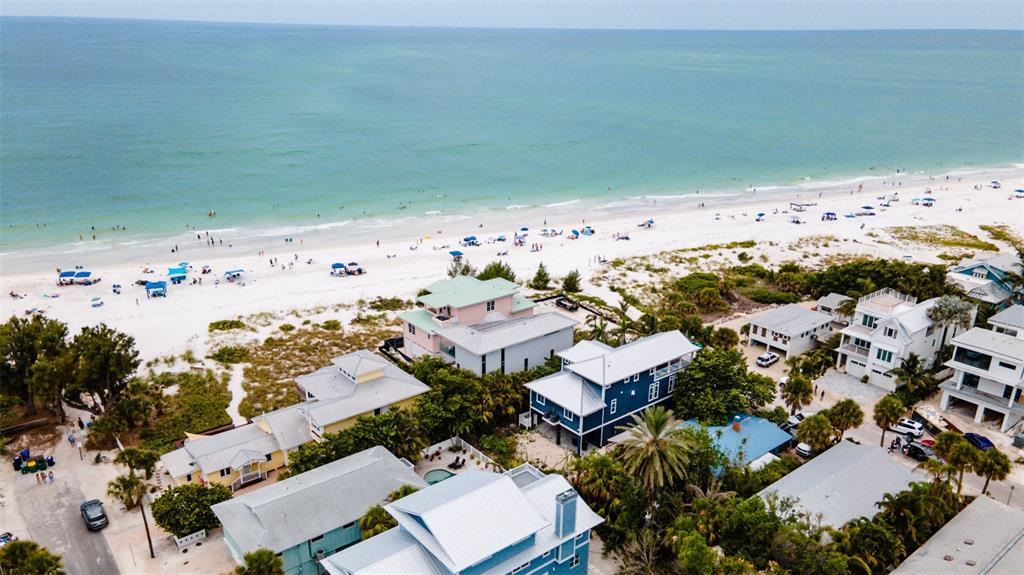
<point>409,257</point>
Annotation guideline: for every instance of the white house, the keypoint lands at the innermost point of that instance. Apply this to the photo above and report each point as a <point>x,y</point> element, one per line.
<point>791,329</point>
<point>988,370</point>
<point>886,328</point>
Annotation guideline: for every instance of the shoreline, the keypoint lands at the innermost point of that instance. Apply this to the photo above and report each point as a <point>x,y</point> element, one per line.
<point>489,221</point>
<point>171,325</point>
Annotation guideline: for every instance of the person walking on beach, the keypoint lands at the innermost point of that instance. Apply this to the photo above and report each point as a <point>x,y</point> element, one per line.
<point>823,395</point>
<point>81,424</point>
<point>50,475</point>
<point>38,481</point>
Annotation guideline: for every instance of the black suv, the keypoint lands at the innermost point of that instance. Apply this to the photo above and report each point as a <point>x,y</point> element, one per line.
<point>93,515</point>
<point>918,452</point>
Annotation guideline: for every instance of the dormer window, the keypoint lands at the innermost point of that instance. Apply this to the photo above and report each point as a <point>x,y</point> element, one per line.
<point>890,333</point>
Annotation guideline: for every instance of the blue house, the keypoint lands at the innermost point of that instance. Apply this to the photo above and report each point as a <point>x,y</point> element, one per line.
<point>477,523</point>
<point>307,517</point>
<point>600,387</point>
<point>984,280</point>
<point>746,439</point>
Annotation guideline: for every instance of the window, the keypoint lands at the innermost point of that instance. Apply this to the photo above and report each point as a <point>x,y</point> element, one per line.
<point>868,320</point>
<point>651,372</point>
<point>625,380</point>
<point>652,392</point>
<point>225,472</point>
<point>636,377</point>
<point>613,406</point>
<point>349,525</point>
<point>568,414</point>
<point>581,537</point>
<point>540,399</point>
<point>574,561</point>
<point>188,477</point>
<point>317,538</point>
<point>270,456</point>
<point>1007,365</point>
<point>929,331</point>
<point>551,353</point>
<point>890,333</point>
<point>490,306</point>
<point>526,363</point>
<point>412,329</point>
<point>483,364</point>
<point>671,383</point>
<point>884,355</point>
<point>521,567</point>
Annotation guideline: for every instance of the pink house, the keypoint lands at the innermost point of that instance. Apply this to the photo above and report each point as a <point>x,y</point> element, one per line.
<point>483,326</point>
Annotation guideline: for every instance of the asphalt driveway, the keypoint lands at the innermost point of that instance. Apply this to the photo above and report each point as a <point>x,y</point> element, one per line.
<point>53,519</point>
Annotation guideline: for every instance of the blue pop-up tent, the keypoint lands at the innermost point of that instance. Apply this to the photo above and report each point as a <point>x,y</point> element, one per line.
<point>64,275</point>
<point>177,275</point>
<point>232,274</point>
<point>82,275</point>
<point>455,254</point>
<point>156,289</point>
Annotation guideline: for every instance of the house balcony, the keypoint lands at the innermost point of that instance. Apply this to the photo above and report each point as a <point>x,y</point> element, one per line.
<point>971,394</point>
<point>447,353</point>
<point>248,479</point>
<point>672,367</point>
<point>851,349</point>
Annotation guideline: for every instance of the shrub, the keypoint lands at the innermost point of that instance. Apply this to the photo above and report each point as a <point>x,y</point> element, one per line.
<point>571,282</point>
<point>185,509</point>
<point>497,270</point>
<point>227,325</point>
<point>230,354</point>
<point>389,304</point>
<point>744,257</point>
<point>541,279</point>
<point>286,327</point>
<point>764,295</point>
<point>331,325</point>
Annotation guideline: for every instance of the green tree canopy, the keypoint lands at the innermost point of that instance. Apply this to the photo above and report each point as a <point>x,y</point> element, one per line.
<point>24,557</point>
<point>138,459</point>
<point>260,562</point>
<point>796,393</point>
<point>887,412</point>
<point>992,464</point>
<point>31,351</point>
<point>461,267</point>
<point>718,385</point>
<point>656,452</point>
<point>845,415</point>
<point>375,522</point>
<point>497,269</point>
<point>571,282</point>
<point>816,431</point>
<point>542,279</point>
<point>104,360</point>
<point>128,489</point>
<point>913,374</point>
<point>185,509</point>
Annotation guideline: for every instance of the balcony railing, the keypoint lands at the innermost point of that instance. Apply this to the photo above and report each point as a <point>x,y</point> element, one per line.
<point>993,401</point>
<point>672,367</point>
<point>248,479</point>
<point>854,349</point>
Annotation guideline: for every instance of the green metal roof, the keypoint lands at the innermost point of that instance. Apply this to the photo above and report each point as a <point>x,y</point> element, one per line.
<point>519,303</point>
<point>462,291</point>
<point>422,319</point>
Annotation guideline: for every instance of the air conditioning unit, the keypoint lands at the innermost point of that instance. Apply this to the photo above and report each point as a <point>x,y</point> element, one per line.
<point>320,554</point>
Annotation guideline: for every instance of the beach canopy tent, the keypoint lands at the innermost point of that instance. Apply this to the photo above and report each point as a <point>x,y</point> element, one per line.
<point>867,207</point>
<point>469,239</point>
<point>337,266</point>
<point>232,274</point>
<point>524,229</point>
<point>82,275</point>
<point>72,274</point>
<point>575,232</point>
<point>455,254</point>
<point>177,275</point>
<point>156,289</point>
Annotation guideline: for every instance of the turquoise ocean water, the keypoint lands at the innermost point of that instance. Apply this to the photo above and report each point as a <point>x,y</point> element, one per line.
<point>149,125</point>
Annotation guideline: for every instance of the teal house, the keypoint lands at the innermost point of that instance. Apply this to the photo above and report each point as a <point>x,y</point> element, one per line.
<point>521,522</point>
<point>987,280</point>
<point>314,514</point>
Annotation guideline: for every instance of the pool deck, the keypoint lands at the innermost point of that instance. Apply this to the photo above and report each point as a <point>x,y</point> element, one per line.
<point>442,462</point>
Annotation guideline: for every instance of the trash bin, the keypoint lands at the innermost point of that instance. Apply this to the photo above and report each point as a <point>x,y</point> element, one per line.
<point>17,463</point>
<point>49,461</point>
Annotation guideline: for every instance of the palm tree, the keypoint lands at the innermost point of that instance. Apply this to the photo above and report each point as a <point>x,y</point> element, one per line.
<point>402,491</point>
<point>951,310</point>
<point>596,478</point>
<point>912,373</point>
<point>957,452</point>
<point>845,415</point>
<point>993,464</point>
<point>816,431</point>
<point>128,489</point>
<point>941,472</point>
<point>656,451</point>
<point>1015,279</point>
<point>260,562</point>
<point>797,392</point>
<point>847,307</point>
<point>646,325</point>
<point>138,459</point>
<point>888,411</point>
<point>713,493</point>
<point>624,323</point>
<point>871,546</point>
<point>28,558</point>
<point>376,521</point>
<point>598,327</point>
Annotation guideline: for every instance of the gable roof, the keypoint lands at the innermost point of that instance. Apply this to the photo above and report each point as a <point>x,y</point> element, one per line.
<point>992,342</point>
<point>467,518</point>
<point>1012,316</point>
<point>484,338</point>
<point>567,390</point>
<point>222,450</point>
<point>981,289</point>
<point>584,350</point>
<point>791,320</point>
<point>999,263</point>
<point>289,512</point>
<point>832,300</point>
<point>634,357</point>
<point>986,537</point>
<point>462,291</point>
<point>835,484</point>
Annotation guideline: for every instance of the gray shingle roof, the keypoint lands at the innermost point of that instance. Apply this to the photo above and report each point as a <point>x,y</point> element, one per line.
<point>487,337</point>
<point>791,320</point>
<point>289,426</point>
<point>1012,316</point>
<point>996,535</point>
<point>292,511</point>
<point>219,451</point>
<point>832,300</point>
<point>844,482</point>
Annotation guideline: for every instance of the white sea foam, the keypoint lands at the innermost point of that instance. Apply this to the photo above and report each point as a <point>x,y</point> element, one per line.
<point>295,230</point>
<point>561,204</point>
<point>432,213</point>
<point>517,207</point>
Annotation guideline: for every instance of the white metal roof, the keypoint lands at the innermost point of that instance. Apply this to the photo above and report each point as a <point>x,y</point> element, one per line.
<point>179,463</point>
<point>991,342</point>
<point>836,485</point>
<point>791,320</point>
<point>584,350</point>
<point>484,338</point>
<point>987,537</point>
<point>634,357</point>
<point>284,514</point>
<point>487,514</point>
<point>832,300</point>
<point>288,425</point>
<point>218,451</point>
<point>394,552</point>
<point>568,390</point>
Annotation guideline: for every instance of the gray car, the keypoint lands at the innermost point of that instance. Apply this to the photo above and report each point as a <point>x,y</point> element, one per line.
<point>93,515</point>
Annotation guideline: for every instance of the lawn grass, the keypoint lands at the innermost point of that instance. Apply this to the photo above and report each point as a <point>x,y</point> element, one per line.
<point>942,236</point>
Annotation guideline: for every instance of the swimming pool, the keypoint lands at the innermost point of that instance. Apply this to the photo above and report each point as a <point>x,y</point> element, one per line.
<point>437,475</point>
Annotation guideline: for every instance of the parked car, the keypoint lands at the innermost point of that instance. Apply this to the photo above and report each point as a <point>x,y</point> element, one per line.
<point>567,304</point>
<point>767,358</point>
<point>93,515</point>
<point>980,441</point>
<point>918,452</point>
<point>908,427</point>
<point>795,420</point>
<point>803,450</point>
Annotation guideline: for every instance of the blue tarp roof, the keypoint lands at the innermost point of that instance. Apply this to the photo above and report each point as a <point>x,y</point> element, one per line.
<point>83,274</point>
<point>66,274</point>
<point>755,438</point>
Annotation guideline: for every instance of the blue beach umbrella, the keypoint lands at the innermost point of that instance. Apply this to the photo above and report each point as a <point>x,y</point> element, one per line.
<point>337,266</point>
<point>455,253</point>
<point>867,207</point>
<point>524,229</point>
<point>469,239</point>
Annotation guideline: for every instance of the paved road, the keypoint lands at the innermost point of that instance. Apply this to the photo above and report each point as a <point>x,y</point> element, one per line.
<point>52,515</point>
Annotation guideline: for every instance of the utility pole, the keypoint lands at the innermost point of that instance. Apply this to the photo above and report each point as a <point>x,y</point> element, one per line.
<point>142,507</point>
